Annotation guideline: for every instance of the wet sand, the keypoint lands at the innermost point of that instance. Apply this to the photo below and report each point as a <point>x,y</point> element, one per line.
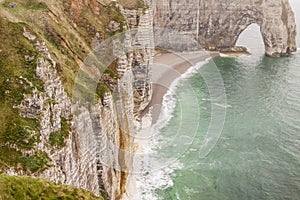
<point>166,68</point>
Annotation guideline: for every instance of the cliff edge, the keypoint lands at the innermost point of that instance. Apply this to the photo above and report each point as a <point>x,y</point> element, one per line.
<point>46,131</point>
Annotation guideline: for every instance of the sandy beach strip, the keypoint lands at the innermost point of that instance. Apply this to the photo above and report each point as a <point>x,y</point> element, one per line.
<point>166,68</point>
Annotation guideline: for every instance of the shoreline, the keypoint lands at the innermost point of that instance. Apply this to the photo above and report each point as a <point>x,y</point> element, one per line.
<point>166,69</point>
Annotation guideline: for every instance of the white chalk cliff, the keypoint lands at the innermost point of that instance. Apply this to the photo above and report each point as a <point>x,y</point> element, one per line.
<point>217,24</point>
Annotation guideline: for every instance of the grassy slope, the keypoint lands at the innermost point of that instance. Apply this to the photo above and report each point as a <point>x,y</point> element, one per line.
<point>13,187</point>
<point>17,134</point>
<point>69,39</point>
<point>68,34</point>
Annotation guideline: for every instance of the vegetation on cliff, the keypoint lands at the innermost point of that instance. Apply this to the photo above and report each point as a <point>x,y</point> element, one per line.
<point>70,33</point>
<point>22,187</point>
<point>18,135</point>
<point>57,138</point>
<point>70,30</point>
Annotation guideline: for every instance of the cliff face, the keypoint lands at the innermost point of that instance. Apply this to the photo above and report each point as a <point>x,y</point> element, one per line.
<point>87,143</point>
<point>217,24</point>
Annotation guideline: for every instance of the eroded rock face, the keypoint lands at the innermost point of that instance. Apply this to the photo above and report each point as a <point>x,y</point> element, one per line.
<point>141,26</point>
<point>99,148</point>
<point>217,24</point>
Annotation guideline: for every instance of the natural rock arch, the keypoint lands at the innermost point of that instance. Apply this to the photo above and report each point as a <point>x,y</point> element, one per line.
<point>217,24</point>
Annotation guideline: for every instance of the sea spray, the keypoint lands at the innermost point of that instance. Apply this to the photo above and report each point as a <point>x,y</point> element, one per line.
<point>257,155</point>
<point>148,181</point>
<point>169,99</point>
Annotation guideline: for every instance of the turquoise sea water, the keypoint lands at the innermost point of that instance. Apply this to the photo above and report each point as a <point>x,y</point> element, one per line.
<point>258,153</point>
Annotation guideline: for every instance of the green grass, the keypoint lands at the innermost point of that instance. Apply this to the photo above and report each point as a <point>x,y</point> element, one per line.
<point>104,194</point>
<point>17,134</point>
<point>22,187</point>
<point>115,14</point>
<point>102,90</point>
<point>57,139</point>
<point>28,4</point>
<point>20,131</point>
<point>35,163</point>
<point>31,4</point>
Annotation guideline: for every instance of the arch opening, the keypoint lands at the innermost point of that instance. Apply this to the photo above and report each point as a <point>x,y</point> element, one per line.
<point>252,39</point>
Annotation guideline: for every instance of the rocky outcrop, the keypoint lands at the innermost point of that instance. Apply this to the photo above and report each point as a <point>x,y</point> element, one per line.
<point>217,24</point>
<point>98,154</point>
<point>141,27</point>
<point>75,163</point>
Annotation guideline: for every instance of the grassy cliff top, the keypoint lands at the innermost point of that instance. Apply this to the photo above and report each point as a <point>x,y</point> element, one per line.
<point>23,187</point>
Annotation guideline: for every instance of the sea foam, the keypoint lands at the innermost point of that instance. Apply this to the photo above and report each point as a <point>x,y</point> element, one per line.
<point>151,180</point>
